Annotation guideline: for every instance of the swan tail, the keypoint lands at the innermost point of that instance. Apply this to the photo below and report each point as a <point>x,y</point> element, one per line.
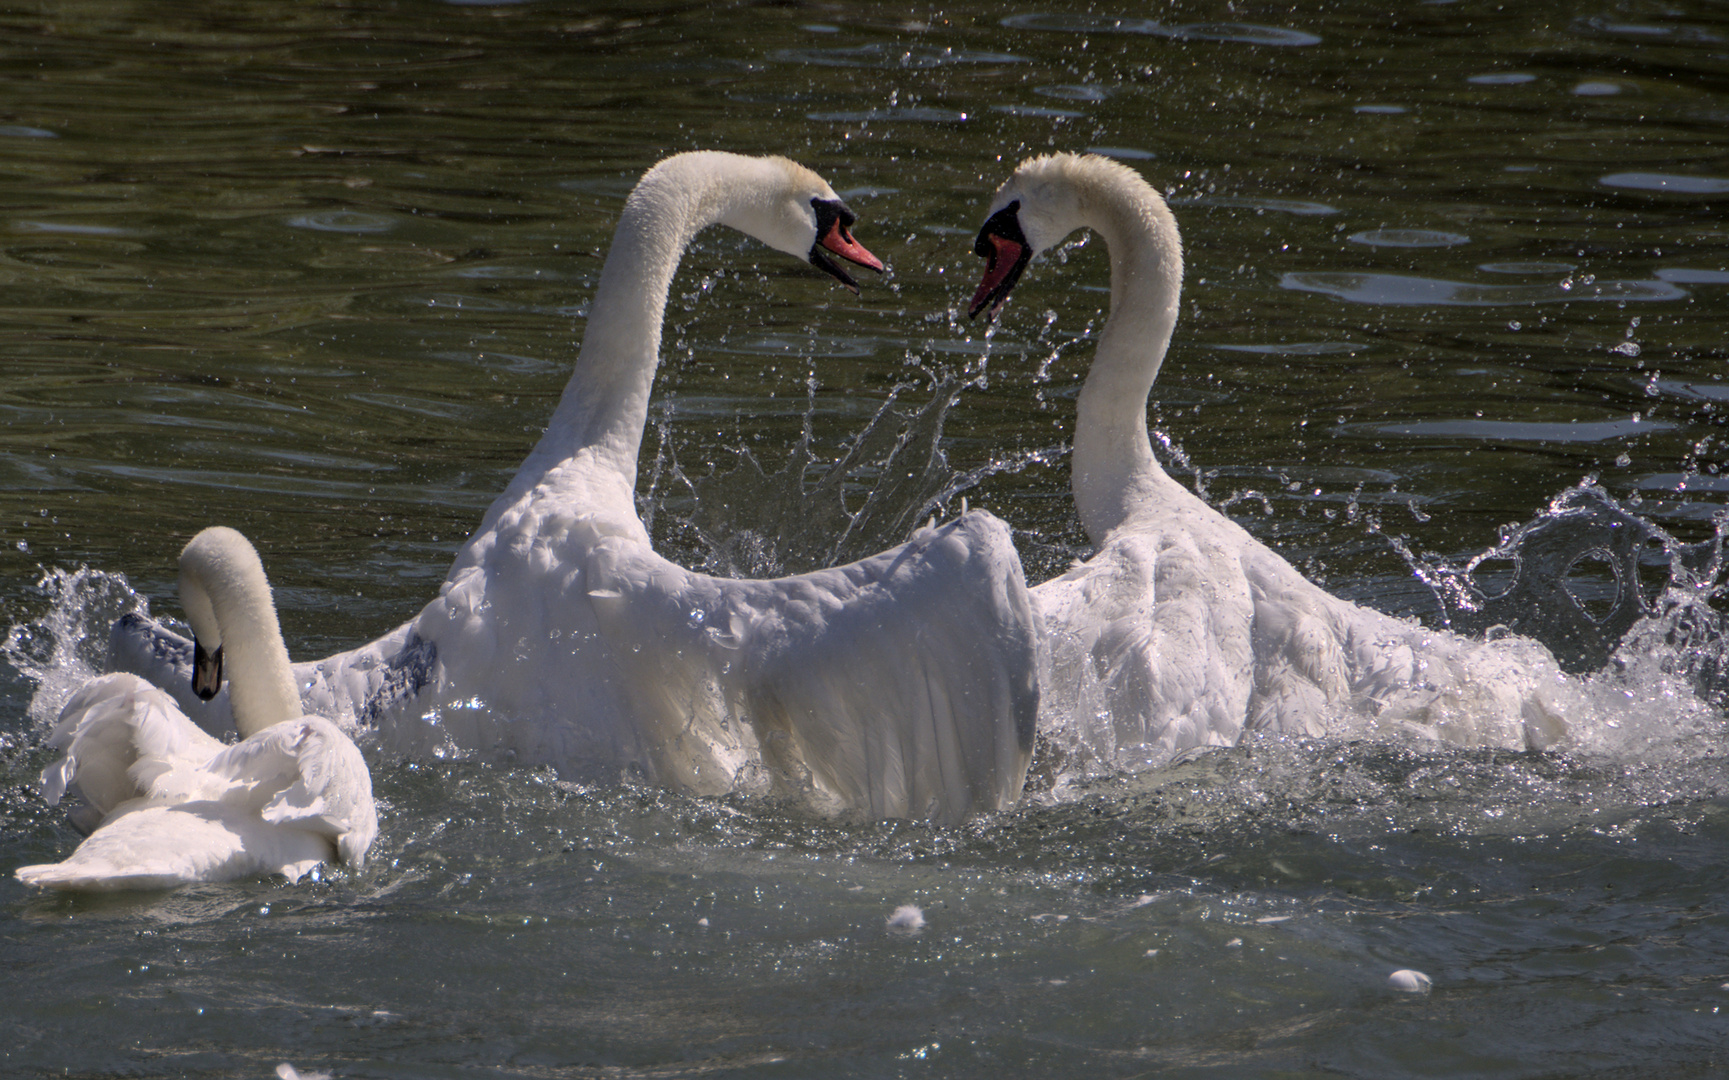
<point>154,846</point>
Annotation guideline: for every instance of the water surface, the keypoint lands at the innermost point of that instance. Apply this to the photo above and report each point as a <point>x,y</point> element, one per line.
<point>317,272</point>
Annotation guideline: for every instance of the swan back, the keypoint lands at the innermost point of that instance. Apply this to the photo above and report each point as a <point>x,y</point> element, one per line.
<point>227,601</point>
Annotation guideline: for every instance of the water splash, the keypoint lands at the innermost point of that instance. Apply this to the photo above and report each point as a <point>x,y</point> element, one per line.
<point>67,645</point>
<point>1581,575</point>
<point>1633,613</point>
<point>809,512</point>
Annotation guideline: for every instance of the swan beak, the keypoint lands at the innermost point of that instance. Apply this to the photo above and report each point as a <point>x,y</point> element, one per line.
<point>1005,246</point>
<point>206,671</point>
<point>834,234</point>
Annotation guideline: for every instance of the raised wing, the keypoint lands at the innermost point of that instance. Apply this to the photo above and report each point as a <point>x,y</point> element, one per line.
<point>903,685</point>
<point>1145,636</point>
<point>120,738</point>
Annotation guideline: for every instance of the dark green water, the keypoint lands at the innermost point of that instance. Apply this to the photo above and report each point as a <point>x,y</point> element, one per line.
<point>318,271</point>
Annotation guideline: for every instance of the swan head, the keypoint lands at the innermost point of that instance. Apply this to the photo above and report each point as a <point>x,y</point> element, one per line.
<point>795,211</point>
<point>228,604</point>
<point>200,564</point>
<point>1036,208</point>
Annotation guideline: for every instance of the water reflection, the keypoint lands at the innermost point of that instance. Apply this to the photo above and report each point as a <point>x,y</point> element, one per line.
<point>1582,431</point>
<point>1408,238</point>
<point>914,113</point>
<point>1402,289</point>
<point>1667,183</point>
<point>1251,202</point>
<point>891,56</point>
<point>344,221</point>
<point>1241,33</point>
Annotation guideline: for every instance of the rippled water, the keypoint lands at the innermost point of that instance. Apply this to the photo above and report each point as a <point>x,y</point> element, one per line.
<point>318,272</point>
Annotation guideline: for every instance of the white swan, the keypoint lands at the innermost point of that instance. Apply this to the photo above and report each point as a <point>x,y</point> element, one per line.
<point>1182,629</point>
<point>164,803</point>
<point>901,685</point>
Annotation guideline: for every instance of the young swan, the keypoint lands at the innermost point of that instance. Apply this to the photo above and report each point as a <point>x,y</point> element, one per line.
<point>1188,628</point>
<point>165,804</point>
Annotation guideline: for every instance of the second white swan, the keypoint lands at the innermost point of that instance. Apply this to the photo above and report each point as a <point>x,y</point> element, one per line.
<point>1182,630</point>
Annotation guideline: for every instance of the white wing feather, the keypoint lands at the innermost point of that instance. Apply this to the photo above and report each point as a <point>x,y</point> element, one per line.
<point>165,804</point>
<point>902,685</point>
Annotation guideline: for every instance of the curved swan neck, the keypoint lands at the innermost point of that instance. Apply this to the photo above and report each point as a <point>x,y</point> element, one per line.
<point>600,417</point>
<point>227,600</point>
<point>1114,468</point>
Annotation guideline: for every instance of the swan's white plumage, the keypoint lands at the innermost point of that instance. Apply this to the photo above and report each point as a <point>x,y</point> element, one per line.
<point>901,685</point>
<point>1182,630</point>
<point>166,804</point>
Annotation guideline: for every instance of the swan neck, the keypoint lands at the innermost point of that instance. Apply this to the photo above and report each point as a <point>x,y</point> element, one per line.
<point>1115,472</point>
<point>599,421</point>
<point>227,582</point>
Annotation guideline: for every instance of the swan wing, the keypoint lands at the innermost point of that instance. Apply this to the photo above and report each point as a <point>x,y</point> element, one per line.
<point>139,645</point>
<point>1301,667</point>
<point>902,685</point>
<point>120,739</point>
<point>1166,641</point>
<point>306,775</point>
<point>378,679</point>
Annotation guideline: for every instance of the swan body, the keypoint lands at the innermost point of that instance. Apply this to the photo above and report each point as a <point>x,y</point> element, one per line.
<point>901,685</point>
<point>166,804</point>
<point>1182,630</point>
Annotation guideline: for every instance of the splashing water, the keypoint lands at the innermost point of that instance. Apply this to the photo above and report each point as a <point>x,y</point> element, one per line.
<point>67,645</point>
<point>1597,584</point>
<point>890,477</point>
<point>1628,611</point>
